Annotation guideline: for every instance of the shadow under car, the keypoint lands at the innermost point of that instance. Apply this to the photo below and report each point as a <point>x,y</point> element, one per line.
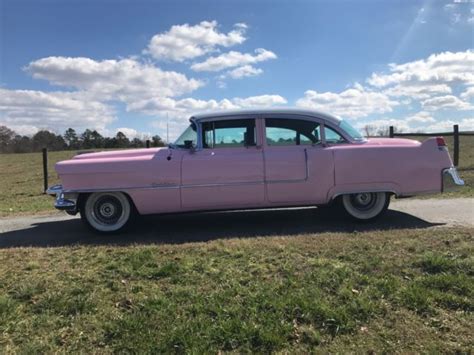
<point>206,226</point>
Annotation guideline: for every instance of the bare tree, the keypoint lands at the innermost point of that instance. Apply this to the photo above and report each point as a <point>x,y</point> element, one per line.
<point>369,130</point>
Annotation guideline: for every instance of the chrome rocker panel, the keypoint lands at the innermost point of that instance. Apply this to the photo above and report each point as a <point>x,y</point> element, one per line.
<point>64,201</point>
<point>451,179</point>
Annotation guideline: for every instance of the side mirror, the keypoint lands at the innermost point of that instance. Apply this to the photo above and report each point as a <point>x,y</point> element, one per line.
<point>189,145</point>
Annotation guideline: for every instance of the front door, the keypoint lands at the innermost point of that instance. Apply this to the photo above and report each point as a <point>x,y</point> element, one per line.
<point>227,172</point>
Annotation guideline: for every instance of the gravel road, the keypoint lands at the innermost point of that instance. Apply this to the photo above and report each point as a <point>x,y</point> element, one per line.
<point>60,229</point>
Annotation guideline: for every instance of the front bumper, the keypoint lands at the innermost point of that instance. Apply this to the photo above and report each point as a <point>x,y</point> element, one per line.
<point>64,201</point>
<point>451,179</point>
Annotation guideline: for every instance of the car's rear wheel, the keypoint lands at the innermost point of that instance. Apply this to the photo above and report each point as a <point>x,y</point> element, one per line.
<point>107,212</point>
<point>365,206</point>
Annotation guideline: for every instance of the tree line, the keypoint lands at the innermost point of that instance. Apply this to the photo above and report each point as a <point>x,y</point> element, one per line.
<point>11,142</point>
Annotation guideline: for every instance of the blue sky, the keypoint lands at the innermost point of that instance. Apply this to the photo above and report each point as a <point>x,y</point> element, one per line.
<point>133,65</point>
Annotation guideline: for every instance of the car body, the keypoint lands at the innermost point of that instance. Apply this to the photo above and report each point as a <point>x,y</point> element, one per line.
<point>254,159</point>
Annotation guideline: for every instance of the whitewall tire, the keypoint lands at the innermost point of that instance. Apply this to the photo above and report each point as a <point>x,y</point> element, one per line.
<point>365,206</point>
<point>107,212</point>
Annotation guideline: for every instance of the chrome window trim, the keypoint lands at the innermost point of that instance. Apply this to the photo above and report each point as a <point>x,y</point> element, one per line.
<point>226,118</point>
<point>323,123</point>
<point>321,118</point>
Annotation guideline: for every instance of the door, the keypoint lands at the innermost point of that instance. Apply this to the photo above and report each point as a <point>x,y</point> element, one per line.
<point>298,169</point>
<point>227,172</point>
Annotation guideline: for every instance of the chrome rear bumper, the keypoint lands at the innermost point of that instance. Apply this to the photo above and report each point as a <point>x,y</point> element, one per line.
<point>64,201</point>
<point>451,179</point>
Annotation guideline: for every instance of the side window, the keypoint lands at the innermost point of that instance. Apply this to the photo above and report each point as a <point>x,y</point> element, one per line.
<point>229,133</point>
<point>281,131</point>
<point>332,137</point>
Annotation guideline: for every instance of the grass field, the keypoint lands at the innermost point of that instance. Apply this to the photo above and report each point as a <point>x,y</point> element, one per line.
<point>395,291</point>
<point>21,177</point>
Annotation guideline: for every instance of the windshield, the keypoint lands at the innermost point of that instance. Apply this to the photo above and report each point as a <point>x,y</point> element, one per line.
<point>188,135</point>
<point>353,132</point>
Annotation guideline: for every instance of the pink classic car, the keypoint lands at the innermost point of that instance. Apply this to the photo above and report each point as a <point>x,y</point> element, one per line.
<point>253,159</point>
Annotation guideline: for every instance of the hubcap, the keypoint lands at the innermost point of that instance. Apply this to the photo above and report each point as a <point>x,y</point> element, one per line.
<point>107,209</point>
<point>363,201</point>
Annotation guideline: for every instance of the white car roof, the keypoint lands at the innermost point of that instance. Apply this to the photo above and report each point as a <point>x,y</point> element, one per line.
<point>288,111</point>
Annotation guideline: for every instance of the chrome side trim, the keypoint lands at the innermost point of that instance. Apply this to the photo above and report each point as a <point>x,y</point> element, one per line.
<point>224,184</point>
<point>450,179</point>
<point>162,187</point>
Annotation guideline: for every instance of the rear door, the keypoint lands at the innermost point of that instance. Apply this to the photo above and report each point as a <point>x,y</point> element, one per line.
<point>298,168</point>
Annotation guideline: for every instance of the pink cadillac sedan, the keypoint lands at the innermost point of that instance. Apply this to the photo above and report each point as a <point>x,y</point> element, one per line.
<point>253,159</point>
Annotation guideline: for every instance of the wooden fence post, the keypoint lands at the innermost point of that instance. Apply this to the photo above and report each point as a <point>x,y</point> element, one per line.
<point>147,143</point>
<point>456,144</point>
<point>45,169</point>
<point>391,132</point>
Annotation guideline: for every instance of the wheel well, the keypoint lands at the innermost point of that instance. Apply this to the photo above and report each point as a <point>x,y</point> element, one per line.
<point>339,195</point>
<point>82,198</point>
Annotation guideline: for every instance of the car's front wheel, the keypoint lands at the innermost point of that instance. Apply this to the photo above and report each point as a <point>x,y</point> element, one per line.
<point>365,206</point>
<point>106,212</point>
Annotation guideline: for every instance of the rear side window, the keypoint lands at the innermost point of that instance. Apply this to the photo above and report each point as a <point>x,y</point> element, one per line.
<point>229,133</point>
<point>281,131</point>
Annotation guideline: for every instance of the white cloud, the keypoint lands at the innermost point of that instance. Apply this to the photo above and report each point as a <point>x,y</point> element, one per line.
<point>442,68</point>
<point>129,132</point>
<point>355,102</point>
<point>243,71</point>
<point>184,108</point>
<point>30,110</point>
<point>23,130</point>
<point>465,124</point>
<point>468,94</point>
<point>233,59</point>
<point>132,133</point>
<point>417,91</point>
<point>445,102</point>
<point>259,101</point>
<point>125,80</point>
<point>183,42</point>
<point>458,13</point>
<point>421,117</point>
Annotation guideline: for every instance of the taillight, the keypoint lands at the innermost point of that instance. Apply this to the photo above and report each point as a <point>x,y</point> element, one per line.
<point>441,142</point>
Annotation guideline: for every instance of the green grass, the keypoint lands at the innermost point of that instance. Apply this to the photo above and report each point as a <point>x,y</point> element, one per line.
<point>401,291</point>
<point>21,177</point>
